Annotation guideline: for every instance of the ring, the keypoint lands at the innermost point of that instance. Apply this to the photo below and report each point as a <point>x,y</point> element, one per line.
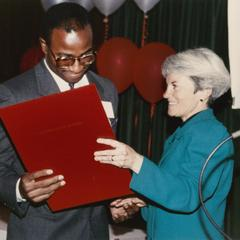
<point>112,157</point>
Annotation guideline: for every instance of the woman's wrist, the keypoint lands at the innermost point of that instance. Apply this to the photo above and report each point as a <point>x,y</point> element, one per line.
<point>137,163</point>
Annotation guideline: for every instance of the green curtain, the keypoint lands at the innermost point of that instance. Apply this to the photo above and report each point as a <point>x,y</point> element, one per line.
<point>181,24</point>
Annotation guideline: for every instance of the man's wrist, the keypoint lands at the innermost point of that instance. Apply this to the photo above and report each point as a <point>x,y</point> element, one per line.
<point>18,194</point>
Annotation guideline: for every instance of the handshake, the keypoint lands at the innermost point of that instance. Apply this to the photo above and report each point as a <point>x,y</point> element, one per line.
<point>123,209</point>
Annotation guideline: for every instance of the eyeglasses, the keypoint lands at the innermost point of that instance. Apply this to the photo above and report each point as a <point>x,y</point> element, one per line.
<point>85,59</point>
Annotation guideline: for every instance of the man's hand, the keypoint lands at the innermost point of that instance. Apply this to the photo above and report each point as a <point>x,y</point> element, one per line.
<point>128,202</point>
<point>119,214</point>
<point>35,190</point>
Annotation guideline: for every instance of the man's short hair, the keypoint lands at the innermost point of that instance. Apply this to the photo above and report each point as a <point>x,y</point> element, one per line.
<point>68,16</point>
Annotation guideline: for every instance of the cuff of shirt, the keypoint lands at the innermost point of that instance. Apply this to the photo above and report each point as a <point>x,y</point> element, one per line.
<point>18,194</point>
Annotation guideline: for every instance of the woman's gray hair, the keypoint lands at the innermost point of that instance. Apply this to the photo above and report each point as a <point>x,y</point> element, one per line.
<point>203,67</point>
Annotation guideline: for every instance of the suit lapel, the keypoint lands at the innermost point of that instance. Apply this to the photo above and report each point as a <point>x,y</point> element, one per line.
<point>93,80</point>
<point>45,82</point>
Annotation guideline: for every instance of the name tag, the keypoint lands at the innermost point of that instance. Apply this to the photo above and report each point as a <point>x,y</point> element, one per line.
<point>108,109</point>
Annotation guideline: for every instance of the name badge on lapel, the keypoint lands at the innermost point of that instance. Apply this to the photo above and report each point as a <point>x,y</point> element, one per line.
<point>108,108</point>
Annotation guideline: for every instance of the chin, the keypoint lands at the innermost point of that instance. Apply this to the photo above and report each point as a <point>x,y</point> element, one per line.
<point>173,114</point>
<point>73,80</point>
<point>170,113</point>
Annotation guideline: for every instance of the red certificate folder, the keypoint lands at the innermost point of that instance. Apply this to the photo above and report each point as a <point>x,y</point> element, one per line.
<point>59,132</point>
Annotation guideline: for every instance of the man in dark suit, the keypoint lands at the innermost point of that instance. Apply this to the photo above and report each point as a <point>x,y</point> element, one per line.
<point>66,40</point>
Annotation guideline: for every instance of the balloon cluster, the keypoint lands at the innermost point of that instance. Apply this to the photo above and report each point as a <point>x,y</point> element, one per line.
<point>122,62</point>
<point>106,7</point>
<point>87,4</point>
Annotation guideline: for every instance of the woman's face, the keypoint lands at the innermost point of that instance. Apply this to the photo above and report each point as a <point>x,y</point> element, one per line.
<point>183,102</point>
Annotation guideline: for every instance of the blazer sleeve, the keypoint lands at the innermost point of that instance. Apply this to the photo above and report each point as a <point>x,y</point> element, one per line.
<point>177,190</point>
<point>10,166</point>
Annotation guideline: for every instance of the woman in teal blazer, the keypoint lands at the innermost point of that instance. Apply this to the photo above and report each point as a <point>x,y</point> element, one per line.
<point>171,208</point>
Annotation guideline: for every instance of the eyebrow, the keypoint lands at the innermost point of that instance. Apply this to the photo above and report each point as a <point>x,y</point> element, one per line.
<point>70,55</point>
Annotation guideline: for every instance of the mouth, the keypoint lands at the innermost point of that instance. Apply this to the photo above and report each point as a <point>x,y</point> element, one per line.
<point>73,77</point>
<point>172,103</point>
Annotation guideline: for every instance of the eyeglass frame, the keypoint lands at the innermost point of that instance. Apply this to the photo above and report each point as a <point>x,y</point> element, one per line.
<point>73,59</point>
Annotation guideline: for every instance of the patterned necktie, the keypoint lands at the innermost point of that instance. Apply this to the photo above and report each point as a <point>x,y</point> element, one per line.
<point>71,85</point>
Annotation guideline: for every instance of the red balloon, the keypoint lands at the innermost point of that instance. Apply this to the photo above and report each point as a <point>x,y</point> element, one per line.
<point>148,77</point>
<point>115,60</point>
<point>30,58</point>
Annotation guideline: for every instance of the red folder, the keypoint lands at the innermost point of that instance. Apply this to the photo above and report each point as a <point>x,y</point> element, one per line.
<point>59,131</point>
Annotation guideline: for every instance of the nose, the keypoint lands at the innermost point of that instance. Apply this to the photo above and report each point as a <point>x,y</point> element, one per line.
<point>77,67</point>
<point>166,93</point>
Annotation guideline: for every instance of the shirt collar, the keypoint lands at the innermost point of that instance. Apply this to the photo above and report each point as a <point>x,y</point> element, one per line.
<point>62,84</point>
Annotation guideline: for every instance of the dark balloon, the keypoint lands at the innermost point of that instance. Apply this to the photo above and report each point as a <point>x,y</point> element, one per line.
<point>115,60</point>
<point>30,58</point>
<point>148,77</point>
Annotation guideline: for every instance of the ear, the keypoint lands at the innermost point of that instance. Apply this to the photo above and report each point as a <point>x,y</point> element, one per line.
<point>205,94</point>
<point>43,45</point>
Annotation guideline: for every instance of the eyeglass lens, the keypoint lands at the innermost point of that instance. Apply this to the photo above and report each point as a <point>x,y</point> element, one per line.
<point>84,60</point>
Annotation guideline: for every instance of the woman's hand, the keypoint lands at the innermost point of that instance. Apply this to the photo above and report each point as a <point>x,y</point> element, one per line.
<point>121,155</point>
<point>128,202</point>
<point>123,209</point>
<point>120,214</point>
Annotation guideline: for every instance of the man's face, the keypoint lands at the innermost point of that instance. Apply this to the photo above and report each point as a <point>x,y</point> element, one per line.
<point>67,46</point>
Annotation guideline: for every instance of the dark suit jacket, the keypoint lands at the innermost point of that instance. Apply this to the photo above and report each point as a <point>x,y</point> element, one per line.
<point>28,221</point>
